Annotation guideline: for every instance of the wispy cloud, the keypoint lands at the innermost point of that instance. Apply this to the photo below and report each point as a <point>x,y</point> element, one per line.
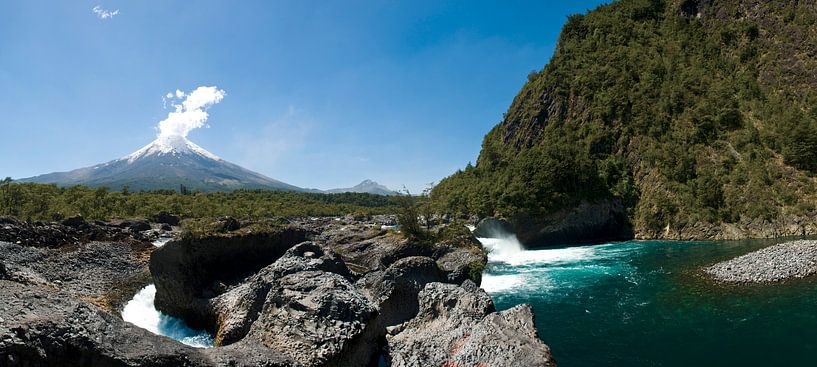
<point>102,13</point>
<point>277,140</point>
<point>190,110</point>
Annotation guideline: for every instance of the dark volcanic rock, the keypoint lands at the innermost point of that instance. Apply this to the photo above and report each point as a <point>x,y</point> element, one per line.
<point>45,327</point>
<point>395,290</point>
<point>492,227</point>
<point>167,218</point>
<point>457,326</point>
<point>270,297</point>
<point>236,309</point>
<point>192,270</point>
<point>366,249</point>
<point>76,231</point>
<point>139,226</point>
<point>77,221</point>
<point>318,319</point>
<point>104,273</point>
<point>586,223</point>
<point>303,305</point>
<point>462,263</point>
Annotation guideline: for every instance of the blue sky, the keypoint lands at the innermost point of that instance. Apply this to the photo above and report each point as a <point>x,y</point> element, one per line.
<point>319,94</point>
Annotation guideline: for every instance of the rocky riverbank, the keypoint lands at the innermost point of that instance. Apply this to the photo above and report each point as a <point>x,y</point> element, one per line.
<point>297,292</point>
<point>796,259</point>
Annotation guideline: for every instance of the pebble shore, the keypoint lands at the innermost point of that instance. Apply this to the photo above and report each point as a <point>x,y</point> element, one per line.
<point>796,259</point>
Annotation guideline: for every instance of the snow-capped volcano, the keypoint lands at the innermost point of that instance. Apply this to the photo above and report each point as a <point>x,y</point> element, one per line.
<point>166,163</point>
<point>175,145</point>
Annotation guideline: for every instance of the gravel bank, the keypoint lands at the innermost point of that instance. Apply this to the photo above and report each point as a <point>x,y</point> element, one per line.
<point>796,259</point>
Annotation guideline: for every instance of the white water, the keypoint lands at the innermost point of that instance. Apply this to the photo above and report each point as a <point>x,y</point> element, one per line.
<point>141,312</point>
<point>161,241</point>
<point>509,251</point>
<point>513,269</point>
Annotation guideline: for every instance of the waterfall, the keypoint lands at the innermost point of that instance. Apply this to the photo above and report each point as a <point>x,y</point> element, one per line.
<point>141,312</point>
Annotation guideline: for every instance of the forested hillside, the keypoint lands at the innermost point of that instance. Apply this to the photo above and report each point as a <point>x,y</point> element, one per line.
<point>676,119</point>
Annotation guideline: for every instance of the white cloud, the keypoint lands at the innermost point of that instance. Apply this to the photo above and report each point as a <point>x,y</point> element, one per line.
<point>102,13</point>
<point>190,113</point>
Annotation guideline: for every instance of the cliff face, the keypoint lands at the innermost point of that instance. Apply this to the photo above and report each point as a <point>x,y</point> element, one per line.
<point>698,116</point>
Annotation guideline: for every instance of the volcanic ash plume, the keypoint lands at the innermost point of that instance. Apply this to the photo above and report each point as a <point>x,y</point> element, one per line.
<point>190,110</point>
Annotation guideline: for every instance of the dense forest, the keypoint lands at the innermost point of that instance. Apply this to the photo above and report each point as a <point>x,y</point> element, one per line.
<point>48,202</point>
<point>683,111</point>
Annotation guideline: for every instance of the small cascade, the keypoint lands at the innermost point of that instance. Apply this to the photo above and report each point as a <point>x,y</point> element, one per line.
<point>141,312</point>
<point>161,241</point>
<point>512,268</point>
<point>508,250</point>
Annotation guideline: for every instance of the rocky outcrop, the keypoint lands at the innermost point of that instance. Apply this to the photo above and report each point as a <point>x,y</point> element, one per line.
<point>395,290</point>
<point>588,222</point>
<point>784,226</point>
<point>104,273</point>
<point>40,326</point>
<point>190,271</point>
<point>318,319</point>
<point>303,304</point>
<point>269,299</point>
<point>370,248</point>
<point>71,231</point>
<point>458,326</point>
<point>797,259</point>
<point>493,227</point>
<point>167,218</point>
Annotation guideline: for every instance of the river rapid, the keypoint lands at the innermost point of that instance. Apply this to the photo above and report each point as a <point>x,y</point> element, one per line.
<point>141,312</point>
<point>646,303</point>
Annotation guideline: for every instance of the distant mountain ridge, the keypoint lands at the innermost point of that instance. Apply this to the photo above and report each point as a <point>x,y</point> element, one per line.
<point>367,186</point>
<point>167,163</point>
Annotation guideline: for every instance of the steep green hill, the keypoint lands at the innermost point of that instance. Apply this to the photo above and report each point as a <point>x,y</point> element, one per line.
<point>659,119</point>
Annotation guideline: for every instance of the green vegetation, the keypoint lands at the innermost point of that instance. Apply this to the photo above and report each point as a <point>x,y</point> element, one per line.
<point>48,202</point>
<point>684,119</point>
<point>409,219</point>
<point>208,227</point>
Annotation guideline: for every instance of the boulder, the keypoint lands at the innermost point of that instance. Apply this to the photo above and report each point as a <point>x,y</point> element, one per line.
<point>167,218</point>
<point>395,290</point>
<point>77,221</point>
<point>239,307</point>
<point>190,271</point>
<point>318,319</point>
<point>493,228</point>
<point>303,305</point>
<point>139,226</point>
<point>460,264</point>
<point>457,326</point>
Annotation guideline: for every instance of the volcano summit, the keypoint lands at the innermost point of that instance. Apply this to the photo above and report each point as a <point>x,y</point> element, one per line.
<point>166,163</point>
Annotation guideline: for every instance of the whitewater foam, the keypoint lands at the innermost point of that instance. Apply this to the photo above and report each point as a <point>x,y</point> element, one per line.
<point>499,283</point>
<point>513,270</point>
<point>141,312</point>
<point>161,241</point>
<point>509,250</point>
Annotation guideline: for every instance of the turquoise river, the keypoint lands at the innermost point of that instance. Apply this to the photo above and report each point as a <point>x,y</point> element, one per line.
<point>646,303</point>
